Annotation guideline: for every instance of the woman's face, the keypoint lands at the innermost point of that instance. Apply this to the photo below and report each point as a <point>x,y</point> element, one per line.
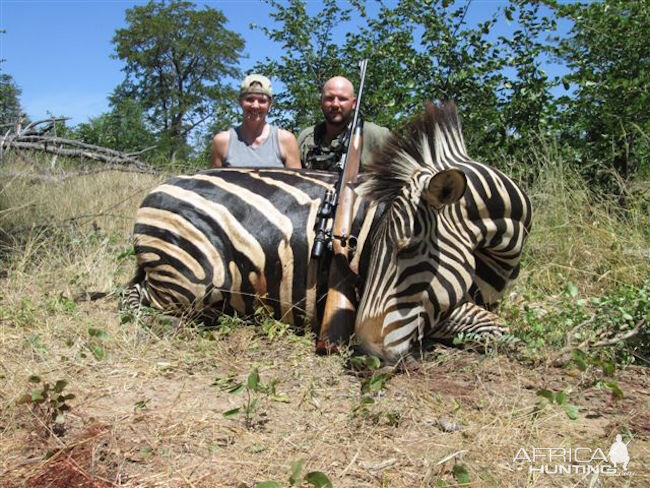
<point>255,107</point>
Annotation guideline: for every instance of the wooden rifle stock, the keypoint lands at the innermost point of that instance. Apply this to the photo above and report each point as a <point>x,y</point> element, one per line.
<point>339,316</point>
<point>340,307</point>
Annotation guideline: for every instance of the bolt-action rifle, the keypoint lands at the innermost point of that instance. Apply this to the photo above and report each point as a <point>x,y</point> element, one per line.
<point>338,319</point>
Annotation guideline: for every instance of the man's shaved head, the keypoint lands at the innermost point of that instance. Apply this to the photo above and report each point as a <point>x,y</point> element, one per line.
<point>339,83</point>
<point>338,101</point>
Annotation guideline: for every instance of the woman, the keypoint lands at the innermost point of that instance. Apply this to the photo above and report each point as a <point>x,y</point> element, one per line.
<point>255,142</point>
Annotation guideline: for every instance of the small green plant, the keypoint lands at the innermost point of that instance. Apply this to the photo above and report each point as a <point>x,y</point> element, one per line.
<point>560,398</point>
<point>61,304</point>
<point>254,390</point>
<point>372,388</point>
<point>585,362</point>
<point>49,403</point>
<point>315,479</point>
<point>126,253</point>
<point>461,475</point>
<point>34,341</point>
<point>273,329</point>
<point>95,343</point>
<point>26,313</point>
<point>226,324</point>
<point>141,404</point>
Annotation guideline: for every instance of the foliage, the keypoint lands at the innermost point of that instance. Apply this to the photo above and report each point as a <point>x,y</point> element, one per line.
<point>525,97</point>
<point>123,128</point>
<point>10,109</point>
<point>255,389</point>
<point>449,60</point>
<point>49,403</point>
<point>315,479</point>
<point>461,475</point>
<point>419,50</point>
<point>310,57</point>
<point>584,362</point>
<point>606,114</point>
<point>427,49</point>
<point>176,60</point>
<point>371,389</point>
<point>416,51</point>
<point>549,397</point>
<point>597,321</point>
<point>95,344</point>
<point>272,328</point>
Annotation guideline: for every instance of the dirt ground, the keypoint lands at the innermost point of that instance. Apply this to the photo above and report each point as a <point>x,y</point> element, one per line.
<point>151,414</point>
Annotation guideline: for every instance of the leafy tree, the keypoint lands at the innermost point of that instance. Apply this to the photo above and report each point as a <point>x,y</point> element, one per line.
<point>177,58</point>
<point>10,109</point>
<point>526,102</point>
<point>389,45</point>
<point>418,50</point>
<point>123,128</point>
<point>309,58</point>
<point>424,50</point>
<point>607,115</point>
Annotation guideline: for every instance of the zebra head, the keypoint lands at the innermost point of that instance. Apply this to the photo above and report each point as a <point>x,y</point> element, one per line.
<point>420,265</point>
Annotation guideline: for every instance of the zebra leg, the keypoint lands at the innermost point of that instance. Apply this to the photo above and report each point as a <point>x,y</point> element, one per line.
<point>469,318</point>
<point>134,297</point>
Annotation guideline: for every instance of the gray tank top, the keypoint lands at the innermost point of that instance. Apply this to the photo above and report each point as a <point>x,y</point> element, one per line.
<point>241,154</point>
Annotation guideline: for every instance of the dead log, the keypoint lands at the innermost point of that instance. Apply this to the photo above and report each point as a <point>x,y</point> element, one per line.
<point>37,136</point>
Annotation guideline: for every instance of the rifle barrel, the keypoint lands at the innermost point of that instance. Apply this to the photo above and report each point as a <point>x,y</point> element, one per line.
<point>363,65</point>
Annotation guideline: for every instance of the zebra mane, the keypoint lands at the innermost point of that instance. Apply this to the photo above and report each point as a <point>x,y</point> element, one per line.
<point>431,140</point>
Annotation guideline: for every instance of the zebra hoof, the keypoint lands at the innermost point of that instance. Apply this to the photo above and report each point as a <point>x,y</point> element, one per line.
<point>325,348</point>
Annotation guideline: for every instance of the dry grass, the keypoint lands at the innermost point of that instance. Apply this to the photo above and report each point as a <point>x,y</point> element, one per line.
<point>146,413</point>
<point>580,234</point>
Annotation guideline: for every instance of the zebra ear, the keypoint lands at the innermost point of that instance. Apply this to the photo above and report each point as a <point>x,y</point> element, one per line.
<point>446,187</point>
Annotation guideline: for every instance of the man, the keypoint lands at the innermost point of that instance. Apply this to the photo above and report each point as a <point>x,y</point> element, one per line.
<point>254,142</point>
<point>322,145</point>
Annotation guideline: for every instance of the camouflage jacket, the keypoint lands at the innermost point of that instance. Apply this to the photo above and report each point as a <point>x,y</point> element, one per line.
<point>315,154</point>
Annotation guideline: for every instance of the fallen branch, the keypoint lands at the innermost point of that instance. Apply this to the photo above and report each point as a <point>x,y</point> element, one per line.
<point>30,128</point>
<point>621,337</point>
<point>33,139</point>
<point>562,357</point>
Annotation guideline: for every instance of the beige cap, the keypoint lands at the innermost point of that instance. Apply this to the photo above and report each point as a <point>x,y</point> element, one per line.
<point>250,85</point>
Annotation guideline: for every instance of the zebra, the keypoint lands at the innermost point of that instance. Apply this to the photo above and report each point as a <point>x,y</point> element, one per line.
<point>449,242</point>
<point>230,240</point>
<point>439,238</point>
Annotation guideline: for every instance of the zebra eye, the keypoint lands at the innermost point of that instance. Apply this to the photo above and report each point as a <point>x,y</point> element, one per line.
<point>406,248</point>
<point>402,244</point>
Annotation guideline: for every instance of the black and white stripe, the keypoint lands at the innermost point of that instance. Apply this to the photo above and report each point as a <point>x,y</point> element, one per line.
<point>228,240</point>
<point>447,245</point>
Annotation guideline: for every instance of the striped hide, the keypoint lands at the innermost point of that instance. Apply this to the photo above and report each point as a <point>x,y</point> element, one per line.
<point>229,240</point>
